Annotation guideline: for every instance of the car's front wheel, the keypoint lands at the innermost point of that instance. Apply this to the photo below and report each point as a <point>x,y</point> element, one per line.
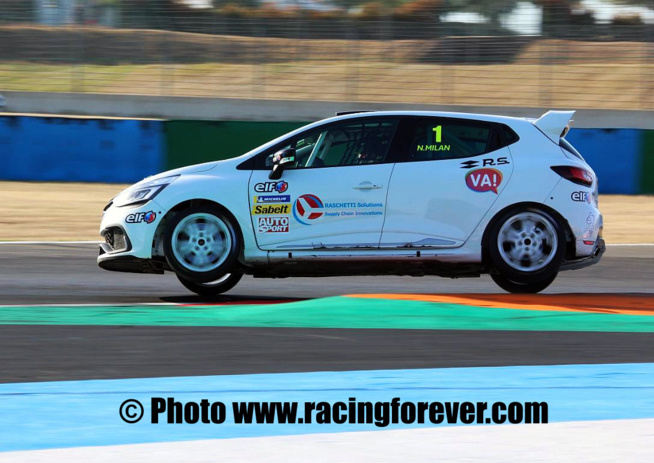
<point>201,244</point>
<point>526,247</point>
<point>532,287</point>
<point>212,288</point>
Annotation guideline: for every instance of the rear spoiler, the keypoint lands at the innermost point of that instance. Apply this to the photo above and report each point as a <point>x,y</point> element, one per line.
<point>555,124</point>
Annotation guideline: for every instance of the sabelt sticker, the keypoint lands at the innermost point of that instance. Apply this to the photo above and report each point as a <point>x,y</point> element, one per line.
<point>482,180</point>
<point>269,209</point>
<point>273,224</point>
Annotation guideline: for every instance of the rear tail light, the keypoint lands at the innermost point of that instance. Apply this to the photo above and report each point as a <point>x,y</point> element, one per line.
<point>574,174</point>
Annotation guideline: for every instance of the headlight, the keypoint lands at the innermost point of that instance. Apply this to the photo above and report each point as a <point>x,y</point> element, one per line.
<point>143,192</point>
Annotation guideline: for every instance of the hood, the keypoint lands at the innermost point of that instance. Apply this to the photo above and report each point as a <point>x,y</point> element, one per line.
<point>184,170</point>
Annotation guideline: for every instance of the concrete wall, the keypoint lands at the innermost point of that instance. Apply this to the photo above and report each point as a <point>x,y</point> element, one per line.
<point>232,109</point>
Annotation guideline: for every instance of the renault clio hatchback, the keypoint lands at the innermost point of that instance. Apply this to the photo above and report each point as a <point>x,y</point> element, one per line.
<point>370,193</point>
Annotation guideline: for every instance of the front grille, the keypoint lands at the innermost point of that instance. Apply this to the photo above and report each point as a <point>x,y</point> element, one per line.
<point>109,239</point>
<point>115,237</point>
<point>120,240</point>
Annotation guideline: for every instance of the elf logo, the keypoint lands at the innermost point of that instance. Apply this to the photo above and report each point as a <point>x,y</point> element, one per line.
<point>482,180</point>
<point>139,217</point>
<point>580,196</point>
<point>271,187</point>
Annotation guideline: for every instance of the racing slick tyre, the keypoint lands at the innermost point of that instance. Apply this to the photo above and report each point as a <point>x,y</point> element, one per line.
<point>526,247</point>
<point>201,244</point>
<point>521,288</point>
<point>213,288</point>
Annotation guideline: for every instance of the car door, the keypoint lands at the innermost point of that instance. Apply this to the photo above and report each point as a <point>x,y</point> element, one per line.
<point>333,196</point>
<point>449,173</point>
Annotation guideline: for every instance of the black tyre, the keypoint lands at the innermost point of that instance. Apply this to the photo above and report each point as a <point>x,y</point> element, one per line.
<point>201,244</point>
<point>213,288</point>
<point>522,288</point>
<point>526,247</point>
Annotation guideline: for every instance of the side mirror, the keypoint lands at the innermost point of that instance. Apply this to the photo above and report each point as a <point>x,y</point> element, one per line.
<point>281,159</point>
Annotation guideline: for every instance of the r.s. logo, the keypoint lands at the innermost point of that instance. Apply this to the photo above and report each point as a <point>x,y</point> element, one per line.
<point>482,180</point>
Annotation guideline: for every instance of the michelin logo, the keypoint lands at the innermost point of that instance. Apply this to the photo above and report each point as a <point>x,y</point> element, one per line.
<point>270,199</point>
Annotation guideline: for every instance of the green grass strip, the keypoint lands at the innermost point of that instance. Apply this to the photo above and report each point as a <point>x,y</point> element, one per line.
<point>333,312</point>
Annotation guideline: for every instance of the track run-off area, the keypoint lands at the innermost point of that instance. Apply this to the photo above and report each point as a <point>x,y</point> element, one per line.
<point>77,341</point>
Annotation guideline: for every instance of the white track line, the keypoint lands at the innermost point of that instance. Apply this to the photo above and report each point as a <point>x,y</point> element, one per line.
<point>589,441</point>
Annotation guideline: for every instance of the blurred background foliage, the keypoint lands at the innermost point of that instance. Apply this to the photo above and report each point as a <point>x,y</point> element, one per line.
<point>197,15</point>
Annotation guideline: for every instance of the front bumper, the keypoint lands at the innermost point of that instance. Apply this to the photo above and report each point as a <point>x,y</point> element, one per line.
<point>131,264</point>
<point>130,231</point>
<point>593,258</point>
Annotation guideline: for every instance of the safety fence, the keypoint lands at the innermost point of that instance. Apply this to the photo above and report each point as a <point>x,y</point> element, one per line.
<point>125,151</point>
<point>423,51</point>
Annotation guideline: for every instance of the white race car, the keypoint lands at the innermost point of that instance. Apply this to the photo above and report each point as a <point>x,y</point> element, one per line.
<point>370,193</point>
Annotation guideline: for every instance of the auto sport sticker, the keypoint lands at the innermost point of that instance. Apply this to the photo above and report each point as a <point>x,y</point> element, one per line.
<point>273,224</point>
<point>308,208</point>
<point>139,217</point>
<point>272,199</point>
<point>482,180</point>
<point>271,187</point>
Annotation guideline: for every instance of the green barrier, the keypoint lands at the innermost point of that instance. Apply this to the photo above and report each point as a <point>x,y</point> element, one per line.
<point>194,142</point>
<point>647,170</point>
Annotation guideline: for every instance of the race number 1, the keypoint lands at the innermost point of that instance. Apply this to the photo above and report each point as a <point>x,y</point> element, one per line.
<point>438,133</point>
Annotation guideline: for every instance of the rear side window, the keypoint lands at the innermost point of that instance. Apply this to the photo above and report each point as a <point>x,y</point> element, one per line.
<point>565,144</point>
<point>431,138</point>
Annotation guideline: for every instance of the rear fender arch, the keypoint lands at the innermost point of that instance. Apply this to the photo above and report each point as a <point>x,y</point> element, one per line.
<point>570,249</point>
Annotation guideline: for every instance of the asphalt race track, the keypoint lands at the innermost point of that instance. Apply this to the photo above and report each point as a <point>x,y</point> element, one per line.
<point>68,274</point>
<point>32,275</point>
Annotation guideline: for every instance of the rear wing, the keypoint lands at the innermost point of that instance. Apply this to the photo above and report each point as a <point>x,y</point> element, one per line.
<point>555,124</point>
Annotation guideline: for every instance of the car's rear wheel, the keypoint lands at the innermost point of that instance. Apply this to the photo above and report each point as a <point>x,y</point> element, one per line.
<point>212,288</point>
<point>201,244</point>
<point>526,247</point>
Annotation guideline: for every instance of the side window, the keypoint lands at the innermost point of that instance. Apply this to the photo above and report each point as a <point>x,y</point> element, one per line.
<point>352,142</point>
<point>430,139</point>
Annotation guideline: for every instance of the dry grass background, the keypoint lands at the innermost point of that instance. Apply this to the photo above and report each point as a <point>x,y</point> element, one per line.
<point>590,85</point>
<point>72,211</point>
<point>547,72</point>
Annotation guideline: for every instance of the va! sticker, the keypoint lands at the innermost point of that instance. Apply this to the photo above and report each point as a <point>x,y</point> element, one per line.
<point>482,180</point>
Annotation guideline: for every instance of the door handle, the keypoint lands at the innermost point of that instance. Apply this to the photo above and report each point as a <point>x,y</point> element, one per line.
<point>367,186</point>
